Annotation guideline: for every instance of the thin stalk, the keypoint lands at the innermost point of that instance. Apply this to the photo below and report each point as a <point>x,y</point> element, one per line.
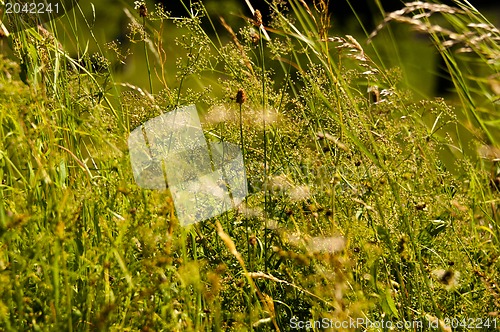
<point>246,199</point>
<point>147,58</point>
<point>263,68</point>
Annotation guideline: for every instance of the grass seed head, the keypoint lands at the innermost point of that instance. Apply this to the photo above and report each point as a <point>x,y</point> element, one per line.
<point>241,96</point>
<point>257,16</point>
<point>143,11</point>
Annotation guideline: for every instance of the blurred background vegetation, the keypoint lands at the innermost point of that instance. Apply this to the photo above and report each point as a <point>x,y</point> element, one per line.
<point>413,53</point>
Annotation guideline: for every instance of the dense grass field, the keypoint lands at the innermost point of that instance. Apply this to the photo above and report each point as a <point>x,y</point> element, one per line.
<point>369,207</point>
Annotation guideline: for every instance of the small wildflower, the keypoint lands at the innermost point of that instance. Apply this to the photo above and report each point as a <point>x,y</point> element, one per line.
<point>241,96</point>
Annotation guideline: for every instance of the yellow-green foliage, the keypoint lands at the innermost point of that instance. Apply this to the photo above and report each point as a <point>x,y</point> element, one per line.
<point>359,205</point>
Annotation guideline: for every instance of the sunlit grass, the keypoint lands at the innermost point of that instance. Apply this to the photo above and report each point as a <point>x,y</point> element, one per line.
<point>352,214</point>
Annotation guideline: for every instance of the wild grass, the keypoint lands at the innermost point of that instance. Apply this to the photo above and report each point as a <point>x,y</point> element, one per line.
<point>352,213</point>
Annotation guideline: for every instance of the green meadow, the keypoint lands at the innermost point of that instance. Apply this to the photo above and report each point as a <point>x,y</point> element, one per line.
<point>373,205</point>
